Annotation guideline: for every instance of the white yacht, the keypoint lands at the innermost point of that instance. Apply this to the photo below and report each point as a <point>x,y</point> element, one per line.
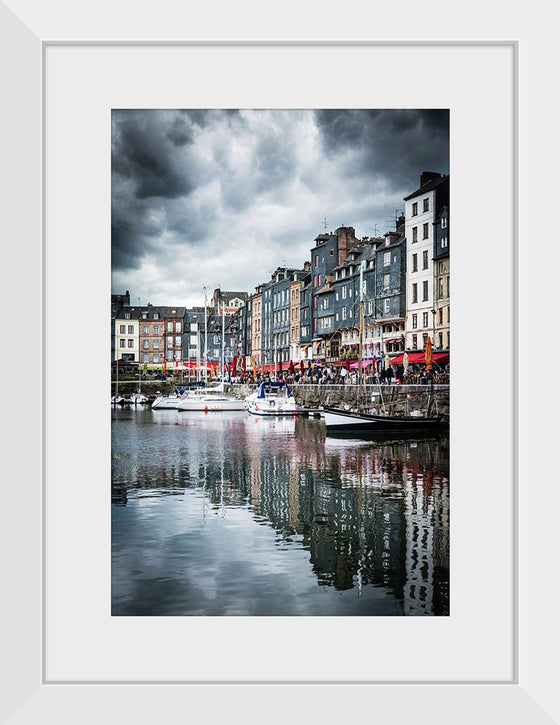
<point>210,399</point>
<point>272,398</point>
<point>167,401</point>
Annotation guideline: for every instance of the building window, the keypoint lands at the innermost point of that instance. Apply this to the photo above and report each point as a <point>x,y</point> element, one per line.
<point>415,342</point>
<point>131,343</point>
<point>415,209</point>
<point>146,330</point>
<point>314,303</point>
<point>414,322</point>
<point>424,231</point>
<point>169,342</point>
<point>144,315</point>
<point>424,290</point>
<point>131,329</point>
<point>426,205</point>
<point>156,343</point>
<point>156,358</point>
<point>414,234</point>
<point>387,305</point>
<point>415,263</point>
<point>177,341</point>
<point>325,303</point>
<point>177,327</point>
<point>127,315</point>
<point>444,242</point>
<point>440,316</point>
<point>386,259</point>
<point>415,292</point>
<point>424,339</point>
<point>440,291</point>
<point>123,329</point>
<point>177,354</point>
<point>444,222</point>
<point>146,358</point>
<point>316,260</point>
<point>123,343</point>
<point>169,327</point>
<point>386,281</point>
<point>344,312</point>
<point>156,330</point>
<point>425,321</point>
<point>156,315</point>
<point>170,355</point>
<point>146,345</point>
<point>440,336</point>
<point>425,259</point>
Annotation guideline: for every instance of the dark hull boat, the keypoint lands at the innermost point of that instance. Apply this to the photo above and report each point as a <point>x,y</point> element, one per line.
<point>347,421</point>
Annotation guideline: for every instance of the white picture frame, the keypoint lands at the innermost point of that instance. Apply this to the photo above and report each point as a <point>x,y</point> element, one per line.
<point>527,696</point>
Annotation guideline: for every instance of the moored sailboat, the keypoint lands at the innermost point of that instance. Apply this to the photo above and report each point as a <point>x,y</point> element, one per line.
<point>272,398</point>
<point>365,419</point>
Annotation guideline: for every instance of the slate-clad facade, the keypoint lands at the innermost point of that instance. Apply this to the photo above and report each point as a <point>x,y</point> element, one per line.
<point>441,280</point>
<point>314,312</point>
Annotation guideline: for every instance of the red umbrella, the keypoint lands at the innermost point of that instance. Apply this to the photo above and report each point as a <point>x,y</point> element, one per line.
<point>347,363</point>
<point>280,367</point>
<point>234,364</point>
<point>244,365</point>
<point>291,368</point>
<point>301,367</point>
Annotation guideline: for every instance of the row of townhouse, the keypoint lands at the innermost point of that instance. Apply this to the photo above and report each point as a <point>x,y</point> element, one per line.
<point>154,335</point>
<point>314,312</point>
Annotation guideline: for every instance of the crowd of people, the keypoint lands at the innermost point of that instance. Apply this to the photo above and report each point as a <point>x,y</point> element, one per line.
<point>320,374</point>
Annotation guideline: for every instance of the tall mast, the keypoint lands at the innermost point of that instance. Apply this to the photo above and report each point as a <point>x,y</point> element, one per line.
<point>361,342</point>
<point>223,341</point>
<point>205,339</point>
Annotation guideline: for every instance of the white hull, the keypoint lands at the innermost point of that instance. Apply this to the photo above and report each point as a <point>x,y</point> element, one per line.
<point>271,408</point>
<point>138,399</point>
<point>211,403</point>
<point>169,402</point>
<point>338,419</point>
<point>272,399</point>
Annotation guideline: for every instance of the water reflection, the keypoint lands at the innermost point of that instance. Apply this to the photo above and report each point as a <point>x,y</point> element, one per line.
<point>261,516</point>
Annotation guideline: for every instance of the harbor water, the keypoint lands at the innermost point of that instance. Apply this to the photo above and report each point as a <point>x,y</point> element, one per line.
<point>226,514</point>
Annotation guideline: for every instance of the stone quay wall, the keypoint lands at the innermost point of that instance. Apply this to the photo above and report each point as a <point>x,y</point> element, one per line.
<point>394,398</point>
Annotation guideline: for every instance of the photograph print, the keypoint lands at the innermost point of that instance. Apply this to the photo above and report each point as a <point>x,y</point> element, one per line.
<point>280,362</point>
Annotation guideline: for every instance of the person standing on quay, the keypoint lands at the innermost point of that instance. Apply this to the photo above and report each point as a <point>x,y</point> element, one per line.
<point>389,375</point>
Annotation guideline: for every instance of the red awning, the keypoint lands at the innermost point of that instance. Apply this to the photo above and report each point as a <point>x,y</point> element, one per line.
<point>418,357</point>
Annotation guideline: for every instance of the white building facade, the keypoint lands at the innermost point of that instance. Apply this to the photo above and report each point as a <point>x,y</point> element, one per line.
<point>421,210</point>
<point>127,336</point>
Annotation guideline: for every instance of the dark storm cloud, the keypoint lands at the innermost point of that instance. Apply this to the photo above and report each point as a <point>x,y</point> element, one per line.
<point>218,195</point>
<point>396,143</point>
<point>145,153</point>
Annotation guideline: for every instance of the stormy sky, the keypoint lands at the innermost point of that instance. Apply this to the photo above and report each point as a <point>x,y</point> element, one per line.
<point>220,198</point>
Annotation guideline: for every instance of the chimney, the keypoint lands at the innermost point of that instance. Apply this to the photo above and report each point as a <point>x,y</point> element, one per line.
<point>400,223</point>
<point>307,266</point>
<point>427,176</point>
<point>346,241</point>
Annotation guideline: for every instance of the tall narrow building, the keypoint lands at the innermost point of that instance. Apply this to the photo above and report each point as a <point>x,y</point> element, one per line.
<point>422,208</point>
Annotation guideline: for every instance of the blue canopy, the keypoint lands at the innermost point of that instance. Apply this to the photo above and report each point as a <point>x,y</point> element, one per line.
<point>274,385</point>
